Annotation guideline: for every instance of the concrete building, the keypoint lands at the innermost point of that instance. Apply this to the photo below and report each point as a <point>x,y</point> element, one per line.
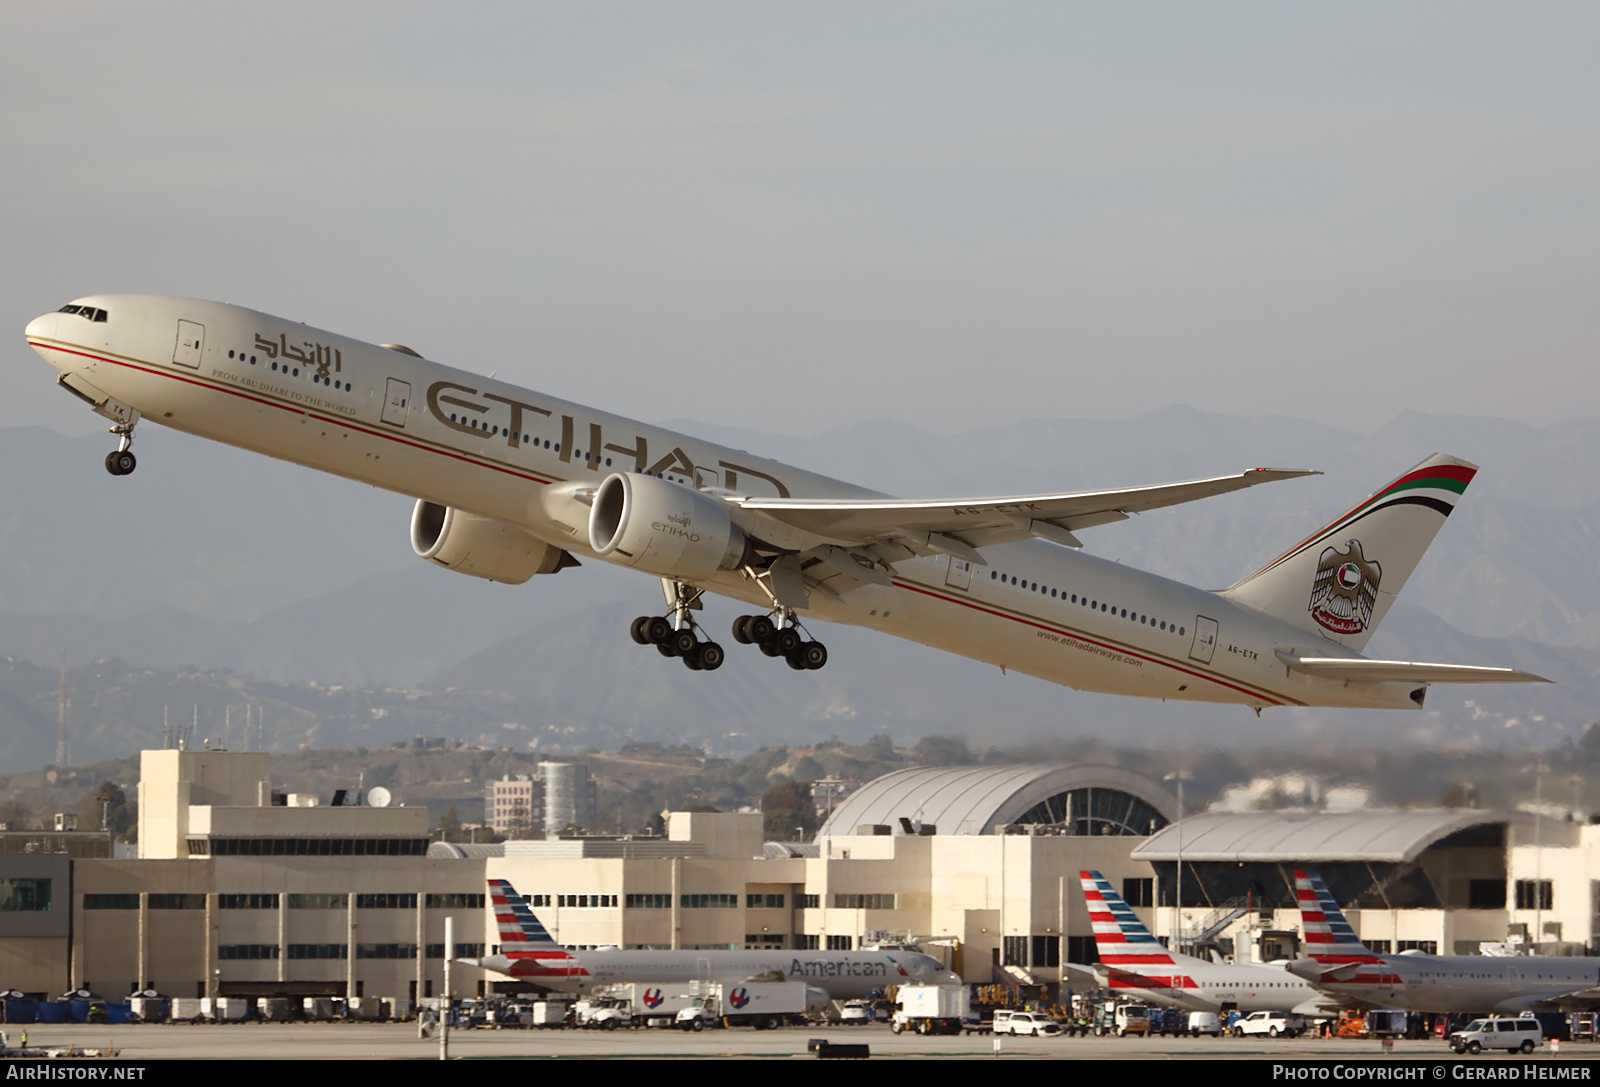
<point>545,803</point>
<point>1431,880</point>
<point>236,894</point>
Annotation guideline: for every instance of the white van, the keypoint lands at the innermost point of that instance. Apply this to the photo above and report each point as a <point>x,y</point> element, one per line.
<point>1520,1035</point>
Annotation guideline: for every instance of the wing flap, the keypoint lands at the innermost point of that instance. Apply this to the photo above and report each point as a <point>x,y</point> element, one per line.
<point>857,521</point>
<point>1360,670</point>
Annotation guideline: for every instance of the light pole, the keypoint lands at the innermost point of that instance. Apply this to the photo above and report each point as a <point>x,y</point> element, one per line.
<point>1180,776</point>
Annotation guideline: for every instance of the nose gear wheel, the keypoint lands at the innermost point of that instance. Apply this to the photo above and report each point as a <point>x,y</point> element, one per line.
<point>121,461</point>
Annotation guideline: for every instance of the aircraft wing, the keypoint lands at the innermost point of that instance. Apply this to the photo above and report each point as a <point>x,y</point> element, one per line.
<point>1370,671</point>
<point>958,526</point>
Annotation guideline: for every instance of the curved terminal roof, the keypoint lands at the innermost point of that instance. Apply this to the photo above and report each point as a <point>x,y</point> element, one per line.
<point>458,851</point>
<point>977,799</point>
<point>1280,837</point>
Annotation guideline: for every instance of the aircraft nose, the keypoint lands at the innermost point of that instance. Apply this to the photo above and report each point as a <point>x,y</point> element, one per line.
<point>43,326</point>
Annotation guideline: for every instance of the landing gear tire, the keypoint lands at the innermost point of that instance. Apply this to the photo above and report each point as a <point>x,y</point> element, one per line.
<point>664,649</point>
<point>641,630</point>
<point>658,630</point>
<point>786,641</point>
<point>683,643</point>
<point>709,657</point>
<point>121,462</point>
<point>812,654</point>
<point>738,630</point>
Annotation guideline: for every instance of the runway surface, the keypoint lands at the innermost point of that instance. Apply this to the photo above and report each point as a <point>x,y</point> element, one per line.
<point>399,1041</point>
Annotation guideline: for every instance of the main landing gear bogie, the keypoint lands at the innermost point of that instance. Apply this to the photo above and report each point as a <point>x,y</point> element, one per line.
<point>775,640</point>
<point>677,637</point>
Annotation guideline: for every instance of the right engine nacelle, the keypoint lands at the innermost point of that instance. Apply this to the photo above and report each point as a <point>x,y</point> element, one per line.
<point>664,528</point>
<point>481,547</point>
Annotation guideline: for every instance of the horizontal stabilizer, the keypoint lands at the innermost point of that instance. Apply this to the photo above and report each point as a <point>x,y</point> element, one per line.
<point>1359,670</point>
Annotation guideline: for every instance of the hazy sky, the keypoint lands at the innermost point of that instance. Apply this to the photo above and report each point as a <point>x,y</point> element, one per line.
<point>800,215</point>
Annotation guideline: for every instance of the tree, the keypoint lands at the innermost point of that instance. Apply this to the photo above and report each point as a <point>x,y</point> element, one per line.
<point>786,807</point>
<point>106,807</point>
<point>16,815</point>
<point>942,751</point>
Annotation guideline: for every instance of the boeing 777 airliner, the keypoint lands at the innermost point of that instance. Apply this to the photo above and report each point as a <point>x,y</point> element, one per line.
<point>511,483</point>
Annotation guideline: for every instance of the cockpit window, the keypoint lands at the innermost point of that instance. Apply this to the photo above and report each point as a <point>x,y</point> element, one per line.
<point>88,313</point>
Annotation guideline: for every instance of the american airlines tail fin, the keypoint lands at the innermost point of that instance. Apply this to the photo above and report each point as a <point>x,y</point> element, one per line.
<point>1133,958</point>
<point>1329,937</point>
<point>1340,581</point>
<point>520,930</point>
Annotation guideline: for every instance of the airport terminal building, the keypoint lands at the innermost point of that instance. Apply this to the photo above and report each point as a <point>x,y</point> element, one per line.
<point>238,892</point>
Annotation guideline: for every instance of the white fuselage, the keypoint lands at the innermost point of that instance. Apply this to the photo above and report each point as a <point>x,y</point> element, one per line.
<point>844,974</point>
<point>1198,985</point>
<point>1464,983</point>
<point>454,438</point>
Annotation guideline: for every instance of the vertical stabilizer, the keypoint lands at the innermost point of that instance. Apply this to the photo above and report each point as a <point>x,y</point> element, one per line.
<point>1329,937</point>
<point>520,930</point>
<point>1340,582</point>
<point>1133,959</point>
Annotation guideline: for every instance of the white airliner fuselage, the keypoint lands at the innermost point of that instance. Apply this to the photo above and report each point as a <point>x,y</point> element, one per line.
<point>1197,985</point>
<point>1459,983</point>
<point>513,482</point>
<point>846,975</point>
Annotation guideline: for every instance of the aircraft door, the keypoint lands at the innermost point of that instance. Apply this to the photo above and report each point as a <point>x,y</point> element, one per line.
<point>960,575</point>
<point>1205,639</point>
<point>191,344</point>
<point>396,402</point>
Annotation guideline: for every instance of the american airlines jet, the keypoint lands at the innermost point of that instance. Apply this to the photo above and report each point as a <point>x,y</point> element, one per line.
<point>511,483</point>
<point>527,953</point>
<point>1134,963</point>
<point>1337,962</point>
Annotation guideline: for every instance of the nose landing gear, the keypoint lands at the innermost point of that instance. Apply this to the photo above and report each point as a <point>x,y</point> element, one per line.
<point>121,461</point>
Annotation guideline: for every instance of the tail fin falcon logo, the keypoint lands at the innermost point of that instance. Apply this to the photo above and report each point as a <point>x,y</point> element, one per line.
<point>1345,589</point>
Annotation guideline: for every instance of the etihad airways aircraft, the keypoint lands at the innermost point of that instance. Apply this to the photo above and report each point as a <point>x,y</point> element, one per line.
<point>1338,963</point>
<point>511,483</point>
<point>527,953</point>
<point>1134,963</point>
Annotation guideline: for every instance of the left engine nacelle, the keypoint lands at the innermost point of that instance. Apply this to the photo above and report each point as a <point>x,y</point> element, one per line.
<point>481,547</point>
<point>664,528</point>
